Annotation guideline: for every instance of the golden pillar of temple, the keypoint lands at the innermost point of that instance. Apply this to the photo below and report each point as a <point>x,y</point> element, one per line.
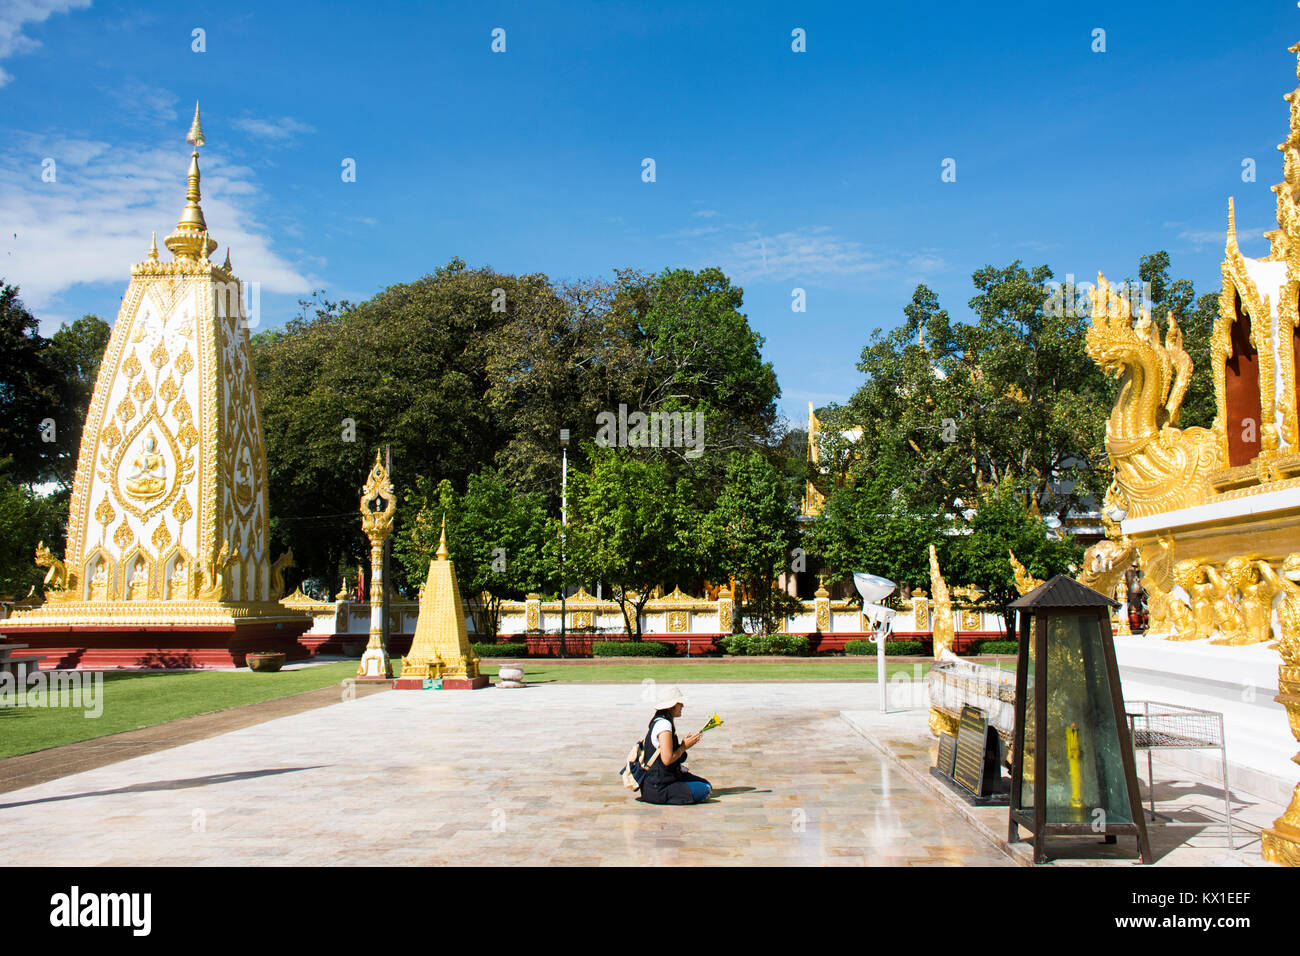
<point>441,648</point>
<point>378,506</point>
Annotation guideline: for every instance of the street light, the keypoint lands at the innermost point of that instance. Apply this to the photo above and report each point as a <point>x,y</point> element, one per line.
<point>564,524</point>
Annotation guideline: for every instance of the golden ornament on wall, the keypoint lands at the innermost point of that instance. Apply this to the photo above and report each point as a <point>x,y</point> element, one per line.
<point>126,409</point>
<point>105,514</point>
<point>161,537</point>
<point>678,622</point>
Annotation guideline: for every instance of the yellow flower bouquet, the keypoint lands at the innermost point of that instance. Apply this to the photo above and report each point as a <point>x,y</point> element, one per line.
<point>714,721</point>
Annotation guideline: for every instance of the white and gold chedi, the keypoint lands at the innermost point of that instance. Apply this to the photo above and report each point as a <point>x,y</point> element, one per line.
<point>168,521</point>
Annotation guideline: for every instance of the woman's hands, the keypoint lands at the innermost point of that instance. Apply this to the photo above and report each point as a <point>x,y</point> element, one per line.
<point>690,741</point>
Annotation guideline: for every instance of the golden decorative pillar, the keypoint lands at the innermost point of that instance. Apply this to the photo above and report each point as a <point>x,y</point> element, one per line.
<point>533,613</point>
<point>378,505</point>
<point>441,645</point>
<point>822,605</point>
<point>1281,842</point>
<point>726,607</point>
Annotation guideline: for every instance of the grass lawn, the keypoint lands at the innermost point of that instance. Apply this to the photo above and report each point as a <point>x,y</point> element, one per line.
<point>135,700</point>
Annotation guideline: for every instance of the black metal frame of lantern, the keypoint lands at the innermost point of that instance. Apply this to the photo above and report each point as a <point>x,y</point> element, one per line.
<point>1063,599</point>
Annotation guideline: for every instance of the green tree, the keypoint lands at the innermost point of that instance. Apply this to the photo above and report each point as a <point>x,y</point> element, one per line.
<point>869,526</point>
<point>996,524</point>
<point>752,531</point>
<point>74,354</point>
<point>29,391</point>
<point>633,526</point>
<point>26,519</point>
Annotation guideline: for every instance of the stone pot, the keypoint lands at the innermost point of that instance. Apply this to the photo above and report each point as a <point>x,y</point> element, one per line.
<point>264,663</point>
<point>510,675</point>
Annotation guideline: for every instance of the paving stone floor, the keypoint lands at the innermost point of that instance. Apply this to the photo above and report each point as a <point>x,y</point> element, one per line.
<point>501,777</point>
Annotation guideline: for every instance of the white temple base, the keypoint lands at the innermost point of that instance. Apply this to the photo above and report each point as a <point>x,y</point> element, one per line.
<point>1238,682</point>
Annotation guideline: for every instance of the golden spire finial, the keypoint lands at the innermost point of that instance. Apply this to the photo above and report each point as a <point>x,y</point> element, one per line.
<point>153,247</point>
<point>226,265</point>
<point>443,553</point>
<point>192,230</point>
<point>1232,226</point>
<point>195,136</point>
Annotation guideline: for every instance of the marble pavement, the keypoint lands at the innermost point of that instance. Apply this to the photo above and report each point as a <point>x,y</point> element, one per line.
<point>501,777</point>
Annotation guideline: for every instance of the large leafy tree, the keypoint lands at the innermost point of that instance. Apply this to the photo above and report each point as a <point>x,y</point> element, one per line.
<point>74,354</point>
<point>404,369</point>
<point>634,526</point>
<point>751,533</point>
<point>470,367</point>
<point>26,519</point>
<point>29,391</point>
<point>1010,396</point>
<point>997,524</point>
<point>869,526</point>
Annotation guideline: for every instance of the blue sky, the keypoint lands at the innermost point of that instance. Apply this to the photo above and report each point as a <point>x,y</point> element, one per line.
<point>817,170</point>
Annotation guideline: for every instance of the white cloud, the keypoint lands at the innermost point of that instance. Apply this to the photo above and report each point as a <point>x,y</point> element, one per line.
<point>747,253</point>
<point>284,128</point>
<point>1217,237</point>
<point>141,103</point>
<point>806,251</point>
<point>16,14</point>
<point>94,221</point>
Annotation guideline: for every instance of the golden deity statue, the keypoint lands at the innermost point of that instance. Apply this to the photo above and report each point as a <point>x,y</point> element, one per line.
<point>148,478</point>
<point>139,587</point>
<point>99,582</point>
<point>179,583</point>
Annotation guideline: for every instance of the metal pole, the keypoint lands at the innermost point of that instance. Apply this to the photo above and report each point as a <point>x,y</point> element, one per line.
<point>881,683</point>
<point>564,524</point>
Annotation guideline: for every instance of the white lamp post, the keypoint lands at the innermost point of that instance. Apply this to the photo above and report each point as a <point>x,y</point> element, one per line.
<point>874,589</point>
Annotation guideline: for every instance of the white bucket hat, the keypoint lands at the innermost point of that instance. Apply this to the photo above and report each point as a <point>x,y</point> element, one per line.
<point>669,696</point>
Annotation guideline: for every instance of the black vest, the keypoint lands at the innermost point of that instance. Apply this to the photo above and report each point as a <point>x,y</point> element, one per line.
<point>660,775</point>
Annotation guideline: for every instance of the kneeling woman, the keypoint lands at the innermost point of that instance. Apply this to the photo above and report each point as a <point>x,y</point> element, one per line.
<point>667,781</point>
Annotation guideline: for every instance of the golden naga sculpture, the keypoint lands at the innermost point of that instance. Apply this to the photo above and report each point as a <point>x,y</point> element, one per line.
<point>212,575</point>
<point>282,564</point>
<point>1025,582</point>
<point>942,625</point>
<point>1158,467</point>
<point>60,584</point>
